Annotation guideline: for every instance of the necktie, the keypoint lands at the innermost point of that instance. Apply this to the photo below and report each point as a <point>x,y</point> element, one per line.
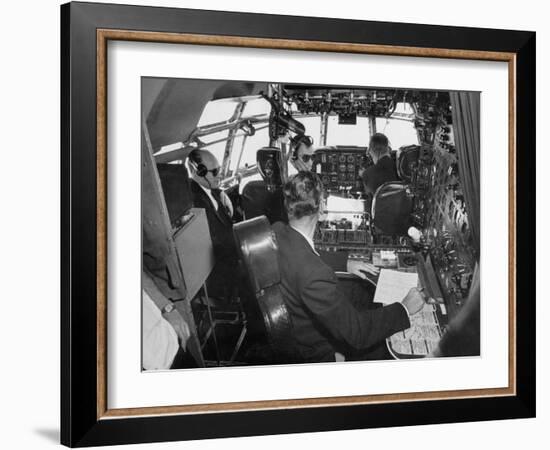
<point>216,193</point>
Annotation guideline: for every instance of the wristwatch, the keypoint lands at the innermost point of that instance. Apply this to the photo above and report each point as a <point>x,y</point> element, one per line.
<point>168,308</point>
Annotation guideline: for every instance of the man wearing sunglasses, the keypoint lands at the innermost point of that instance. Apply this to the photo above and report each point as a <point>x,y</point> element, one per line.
<point>302,153</point>
<point>206,192</point>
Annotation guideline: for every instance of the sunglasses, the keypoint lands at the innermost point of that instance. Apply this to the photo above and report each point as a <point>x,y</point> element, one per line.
<point>214,171</point>
<point>306,158</point>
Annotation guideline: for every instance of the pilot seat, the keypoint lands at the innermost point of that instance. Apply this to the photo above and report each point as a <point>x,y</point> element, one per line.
<point>391,209</point>
<point>265,197</point>
<point>257,249</point>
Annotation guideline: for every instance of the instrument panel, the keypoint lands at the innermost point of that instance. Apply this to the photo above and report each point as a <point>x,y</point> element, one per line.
<point>339,168</point>
<point>446,255</point>
<point>440,213</point>
<point>345,102</point>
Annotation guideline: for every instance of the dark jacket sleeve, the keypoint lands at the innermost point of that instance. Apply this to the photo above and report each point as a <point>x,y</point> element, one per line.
<point>338,261</point>
<point>221,236</point>
<point>359,329</point>
<point>367,176</point>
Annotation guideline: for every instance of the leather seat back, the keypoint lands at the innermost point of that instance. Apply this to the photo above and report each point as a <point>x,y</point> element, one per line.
<point>177,193</point>
<point>258,201</point>
<point>257,249</point>
<point>392,207</point>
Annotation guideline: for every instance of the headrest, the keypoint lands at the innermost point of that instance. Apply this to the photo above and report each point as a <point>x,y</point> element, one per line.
<point>257,201</point>
<point>257,246</point>
<point>392,206</point>
<point>270,162</point>
<point>177,193</point>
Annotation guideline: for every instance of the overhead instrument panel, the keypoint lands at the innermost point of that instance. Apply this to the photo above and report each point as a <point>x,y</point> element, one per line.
<point>346,102</point>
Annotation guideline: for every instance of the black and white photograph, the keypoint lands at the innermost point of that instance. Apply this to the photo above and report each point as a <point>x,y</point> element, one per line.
<point>275,225</point>
<point>287,223</point>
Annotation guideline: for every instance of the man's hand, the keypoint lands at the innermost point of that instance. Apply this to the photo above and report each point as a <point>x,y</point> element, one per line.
<point>414,301</point>
<point>361,268</point>
<point>179,325</point>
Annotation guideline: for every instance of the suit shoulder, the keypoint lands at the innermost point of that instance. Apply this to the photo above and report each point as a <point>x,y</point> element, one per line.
<point>199,195</point>
<point>290,242</point>
<point>278,227</point>
<point>369,171</point>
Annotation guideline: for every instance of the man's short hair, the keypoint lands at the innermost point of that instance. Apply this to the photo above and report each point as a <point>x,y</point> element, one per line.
<point>303,194</point>
<point>300,139</point>
<point>379,144</point>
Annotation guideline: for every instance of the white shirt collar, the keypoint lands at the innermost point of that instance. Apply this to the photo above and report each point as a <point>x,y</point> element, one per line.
<point>209,193</point>
<point>307,238</point>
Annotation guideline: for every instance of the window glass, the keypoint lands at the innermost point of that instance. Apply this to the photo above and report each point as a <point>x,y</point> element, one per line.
<point>237,144</point>
<point>256,106</point>
<point>399,132</point>
<point>217,149</point>
<point>404,108</point>
<point>313,128</point>
<point>348,134</point>
<point>217,111</point>
<point>252,145</point>
<point>337,203</point>
<point>209,138</point>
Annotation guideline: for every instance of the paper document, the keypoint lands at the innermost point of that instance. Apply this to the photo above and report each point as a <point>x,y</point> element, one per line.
<point>393,286</point>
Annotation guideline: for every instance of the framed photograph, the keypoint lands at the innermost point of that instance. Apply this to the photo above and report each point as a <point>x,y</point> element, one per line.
<point>279,224</point>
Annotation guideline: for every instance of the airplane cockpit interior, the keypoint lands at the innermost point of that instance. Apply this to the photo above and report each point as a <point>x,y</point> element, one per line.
<point>398,171</point>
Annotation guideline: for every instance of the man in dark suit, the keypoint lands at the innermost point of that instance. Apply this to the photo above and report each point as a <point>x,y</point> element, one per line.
<point>322,318</point>
<point>383,169</point>
<point>206,192</point>
<point>302,152</point>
